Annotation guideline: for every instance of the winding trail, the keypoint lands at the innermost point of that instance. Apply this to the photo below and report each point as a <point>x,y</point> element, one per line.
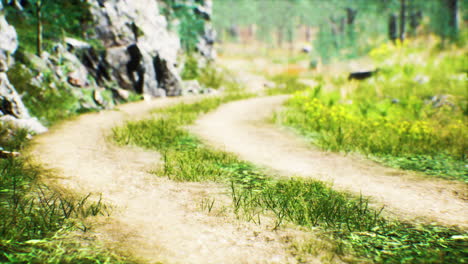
<point>154,219</point>
<point>240,127</point>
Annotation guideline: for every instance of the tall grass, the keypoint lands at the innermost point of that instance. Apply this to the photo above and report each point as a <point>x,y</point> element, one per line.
<point>35,216</point>
<point>286,84</point>
<point>411,115</point>
<point>354,226</point>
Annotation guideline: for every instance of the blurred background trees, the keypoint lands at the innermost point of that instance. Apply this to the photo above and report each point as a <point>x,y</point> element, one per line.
<point>337,28</point>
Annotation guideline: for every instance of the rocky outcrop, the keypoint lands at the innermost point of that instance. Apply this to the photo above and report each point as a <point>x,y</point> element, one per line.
<point>140,53</point>
<point>12,109</point>
<point>206,42</point>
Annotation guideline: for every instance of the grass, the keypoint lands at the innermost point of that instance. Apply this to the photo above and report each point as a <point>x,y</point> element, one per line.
<point>349,221</point>
<point>38,218</point>
<point>208,76</point>
<point>286,84</point>
<point>48,104</point>
<point>411,115</point>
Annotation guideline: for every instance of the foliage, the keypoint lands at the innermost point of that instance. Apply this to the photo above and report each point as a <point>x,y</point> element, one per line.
<point>57,250</point>
<point>286,84</point>
<point>412,114</point>
<point>60,18</point>
<point>190,25</point>
<point>191,70</point>
<point>49,104</point>
<point>347,220</point>
<point>12,138</point>
<point>337,35</point>
<point>37,219</point>
<point>208,76</point>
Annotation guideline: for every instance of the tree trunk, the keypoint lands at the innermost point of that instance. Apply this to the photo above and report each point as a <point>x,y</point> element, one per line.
<point>280,37</point>
<point>350,16</point>
<point>308,33</point>
<point>39,27</point>
<point>402,20</point>
<point>453,6</point>
<point>393,27</point>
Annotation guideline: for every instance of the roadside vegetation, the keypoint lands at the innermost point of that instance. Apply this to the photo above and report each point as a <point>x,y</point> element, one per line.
<point>359,232</point>
<point>40,222</point>
<point>412,114</point>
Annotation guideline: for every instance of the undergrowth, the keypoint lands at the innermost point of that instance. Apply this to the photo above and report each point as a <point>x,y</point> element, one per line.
<point>49,104</point>
<point>357,228</point>
<point>208,75</point>
<point>411,115</point>
<point>286,84</point>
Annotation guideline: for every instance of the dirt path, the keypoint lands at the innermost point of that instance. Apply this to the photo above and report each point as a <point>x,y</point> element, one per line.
<point>240,127</point>
<point>154,219</point>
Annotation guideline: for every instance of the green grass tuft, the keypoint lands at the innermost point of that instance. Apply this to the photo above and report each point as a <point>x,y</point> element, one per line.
<point>349,221</point>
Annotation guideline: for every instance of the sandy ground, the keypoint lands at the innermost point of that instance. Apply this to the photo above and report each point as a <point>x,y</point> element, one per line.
<point>153,219</point>
<point>240,127</point>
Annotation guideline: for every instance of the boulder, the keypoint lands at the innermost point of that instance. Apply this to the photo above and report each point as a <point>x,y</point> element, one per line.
<point>192,87</point>
<point>362,75</point>
<point>12,109</point>
<point>306,49</point>
<point>141,53</point>
<point>206,43</point>
<point>75,44</point>
<point>30,123</point>
<point>8,42</point>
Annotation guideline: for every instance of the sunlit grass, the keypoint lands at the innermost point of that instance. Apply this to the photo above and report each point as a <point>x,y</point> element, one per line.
<point>354,226</point>
<point>412,114</point>
<point>37,218</point>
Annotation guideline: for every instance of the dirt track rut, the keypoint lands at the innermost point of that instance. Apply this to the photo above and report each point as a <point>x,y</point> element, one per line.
<point>154,219</point>
<point>240,127</point>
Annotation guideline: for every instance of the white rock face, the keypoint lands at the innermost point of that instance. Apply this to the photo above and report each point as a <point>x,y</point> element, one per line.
<point>8,41</point>
<point>115,26</point>
<point>12,108</point>
<point>31,124</point>
<point>124,24</point>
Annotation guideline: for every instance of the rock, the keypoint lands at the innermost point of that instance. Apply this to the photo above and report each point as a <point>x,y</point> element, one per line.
<point>438,101</point>
<point>205,10</point>
<point>8,42</point>
<point>96,64</point>
<point>167,77</point>
<point>3,66</point>
<point>97,96</point>
<point>114,20</point>
<point>206,43</point>
<point>10,101</point>
<point>192,87</point>
<point>29,123</point>
<point>209,91</point>
<point>121,93</point>
<point>74,79</point>
<point>8,154</point>
<point>74,44</point>
<point>421,79</point>
<point>141,60</point>
<point>362,75</point>
<point>269,84</point>
<point>306,49</point>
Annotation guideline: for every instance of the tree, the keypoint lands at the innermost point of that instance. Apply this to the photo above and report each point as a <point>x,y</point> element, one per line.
<point>452,7</point>
<point>402,20</point>
<point>39,5</point>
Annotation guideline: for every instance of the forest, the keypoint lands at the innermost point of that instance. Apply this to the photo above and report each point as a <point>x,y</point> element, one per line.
<point>233,131</point>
